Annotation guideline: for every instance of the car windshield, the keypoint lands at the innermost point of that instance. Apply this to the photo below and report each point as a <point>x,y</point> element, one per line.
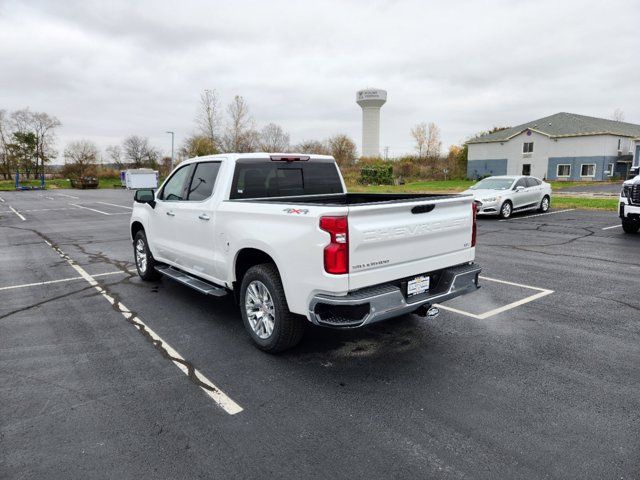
<point>493,184</point>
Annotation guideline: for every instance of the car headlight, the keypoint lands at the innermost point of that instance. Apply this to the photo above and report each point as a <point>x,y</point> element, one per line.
<point>489,199</point>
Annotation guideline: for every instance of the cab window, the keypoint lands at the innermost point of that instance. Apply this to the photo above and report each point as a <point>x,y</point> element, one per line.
<point>174,189</point>
<point>532,182</point>
<point>203,180</point>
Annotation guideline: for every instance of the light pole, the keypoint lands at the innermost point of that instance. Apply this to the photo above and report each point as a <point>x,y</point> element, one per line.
<point>172,135</point>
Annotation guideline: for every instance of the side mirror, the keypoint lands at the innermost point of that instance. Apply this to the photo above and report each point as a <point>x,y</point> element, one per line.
<point>145,196</point>
<point>519,188</point>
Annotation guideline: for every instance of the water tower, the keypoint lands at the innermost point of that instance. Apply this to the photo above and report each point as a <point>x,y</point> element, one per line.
<point>371,100</point>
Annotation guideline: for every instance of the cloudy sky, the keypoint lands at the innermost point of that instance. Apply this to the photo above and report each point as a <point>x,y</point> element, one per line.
<point>108,69</point>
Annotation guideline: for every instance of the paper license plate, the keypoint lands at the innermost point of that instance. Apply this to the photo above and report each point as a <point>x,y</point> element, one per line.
<point>418,285</point>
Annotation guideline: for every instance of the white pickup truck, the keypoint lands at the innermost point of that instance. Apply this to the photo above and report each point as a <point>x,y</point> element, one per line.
<point>280,232</point>
<point>629,208</point>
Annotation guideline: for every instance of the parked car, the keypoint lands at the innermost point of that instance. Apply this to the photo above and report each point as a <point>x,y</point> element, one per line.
<point>630,205</point>
<point>505,195</point>
<point>281,234</point>
<point>84,182</point>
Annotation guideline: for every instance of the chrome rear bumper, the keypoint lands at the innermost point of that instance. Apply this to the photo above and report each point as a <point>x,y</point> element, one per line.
<point>382,302</point>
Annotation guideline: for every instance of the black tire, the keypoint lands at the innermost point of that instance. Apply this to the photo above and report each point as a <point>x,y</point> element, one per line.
<point>287,328</point>
<point>630,226</point>
<point>544,207</point>
<point>147,271</point>
<point>504,211</point>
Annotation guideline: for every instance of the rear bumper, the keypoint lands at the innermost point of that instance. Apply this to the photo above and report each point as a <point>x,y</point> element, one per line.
<point>381,302</point>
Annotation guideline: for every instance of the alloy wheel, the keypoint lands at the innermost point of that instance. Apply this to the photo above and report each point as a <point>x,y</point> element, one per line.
<point>260,309</point>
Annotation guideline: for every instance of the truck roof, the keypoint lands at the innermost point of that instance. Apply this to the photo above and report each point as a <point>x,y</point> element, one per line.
<point>233,157</point>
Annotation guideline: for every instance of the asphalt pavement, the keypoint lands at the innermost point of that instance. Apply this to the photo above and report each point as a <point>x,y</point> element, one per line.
<point>535,375</point>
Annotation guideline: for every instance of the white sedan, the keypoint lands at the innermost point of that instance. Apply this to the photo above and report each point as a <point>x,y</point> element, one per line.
<point>504,195</point>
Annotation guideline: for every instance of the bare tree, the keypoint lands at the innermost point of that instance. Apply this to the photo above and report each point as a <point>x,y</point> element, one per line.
<point>240,135</point>
<point>274,139</point>
<point>343,149</point>
<point>115,155</point>
<point>419,134</point>
<point>312,146</point>
<point>43,126</point>
<point>81,156</point>
<point>617,115</point>
<point>6,160</point>
<point>208,118</point>
<point>434,144</point>
<point>139,152</point>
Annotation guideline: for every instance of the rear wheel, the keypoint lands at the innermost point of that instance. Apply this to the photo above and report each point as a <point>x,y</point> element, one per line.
<point>145,263</point>
<point>630,226</point>
<point>506,209</point>
<point>544,204</point>
<point>265,313</point>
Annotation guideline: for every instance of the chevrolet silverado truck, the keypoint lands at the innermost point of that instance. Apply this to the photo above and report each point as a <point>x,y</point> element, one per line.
<point>629,208</point>
<point>281,233</point>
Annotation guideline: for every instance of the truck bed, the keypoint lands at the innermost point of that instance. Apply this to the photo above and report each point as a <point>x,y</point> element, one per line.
<point>352,199</point>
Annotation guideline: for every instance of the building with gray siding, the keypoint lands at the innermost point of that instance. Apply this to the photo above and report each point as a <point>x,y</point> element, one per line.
<point>564,146</point>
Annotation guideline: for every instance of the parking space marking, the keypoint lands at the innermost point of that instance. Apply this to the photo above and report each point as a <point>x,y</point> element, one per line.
<point>1,199</point>
<point>613,226</point>
<point>47,209</point>
<point>60,280</point>
<point>92,209</point>
<point>542,292</point>
<point>70,196</point>
<point>538,215</point>
<point>49,198</point>
<point>17,213</point>
<point>115,205</point>
<point>218,396</point>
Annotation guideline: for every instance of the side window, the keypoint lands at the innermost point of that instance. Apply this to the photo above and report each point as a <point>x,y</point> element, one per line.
<point>520,183</point>
<point>532,182</point>
<point>204,178</point>
<point>174,188</point>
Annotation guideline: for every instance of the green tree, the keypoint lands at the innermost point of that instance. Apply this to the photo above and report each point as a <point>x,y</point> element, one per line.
<point>23,151</point>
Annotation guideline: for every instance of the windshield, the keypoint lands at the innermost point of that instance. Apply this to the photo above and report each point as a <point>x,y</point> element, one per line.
<point>493,184</point>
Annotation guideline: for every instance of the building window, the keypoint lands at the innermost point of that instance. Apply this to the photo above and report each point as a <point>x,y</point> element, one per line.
<point>609,171</point>
<point>619,144</point>
<point>564,170</point>
<point>527,147</point>
<point>588,170</point>
<point>526,169</point>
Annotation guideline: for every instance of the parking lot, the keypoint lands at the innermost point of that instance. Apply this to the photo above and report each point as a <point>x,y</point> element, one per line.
<point>536,375</point>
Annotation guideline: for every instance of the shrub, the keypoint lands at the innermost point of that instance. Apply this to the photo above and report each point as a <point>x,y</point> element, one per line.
<point>379,173</point>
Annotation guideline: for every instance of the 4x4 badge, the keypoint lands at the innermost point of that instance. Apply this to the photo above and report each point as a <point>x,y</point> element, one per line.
<point>297,211</point>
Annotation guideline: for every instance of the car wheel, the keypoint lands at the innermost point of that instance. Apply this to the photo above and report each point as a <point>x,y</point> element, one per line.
<point>630,226</point>
<point>145,263</point>
<point>506,209</point>
<point>265,313</point>
<point>544,204</point>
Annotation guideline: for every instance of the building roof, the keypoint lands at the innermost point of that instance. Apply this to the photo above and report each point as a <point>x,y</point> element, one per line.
<point>564,124</point>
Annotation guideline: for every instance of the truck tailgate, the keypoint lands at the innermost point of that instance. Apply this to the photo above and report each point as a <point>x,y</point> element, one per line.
<point>389,241</point>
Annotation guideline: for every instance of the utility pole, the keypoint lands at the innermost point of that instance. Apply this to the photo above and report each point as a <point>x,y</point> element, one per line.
<point>172,136</point>
<point>386,153</point>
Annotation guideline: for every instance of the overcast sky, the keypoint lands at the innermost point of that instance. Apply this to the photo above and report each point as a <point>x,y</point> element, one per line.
<point>108,69</point>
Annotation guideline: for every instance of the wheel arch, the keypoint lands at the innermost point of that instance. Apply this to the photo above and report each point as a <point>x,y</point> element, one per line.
<point>135,228</point>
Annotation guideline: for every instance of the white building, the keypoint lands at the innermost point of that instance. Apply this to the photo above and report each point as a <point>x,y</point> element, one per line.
<point>564,146</point>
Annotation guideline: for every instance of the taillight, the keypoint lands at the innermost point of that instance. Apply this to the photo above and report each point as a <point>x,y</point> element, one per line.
<point>474,229</point>
<point>336,254</point>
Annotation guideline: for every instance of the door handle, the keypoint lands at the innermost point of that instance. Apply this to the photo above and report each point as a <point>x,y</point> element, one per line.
<point>204,216</point>
<point>171,214</point>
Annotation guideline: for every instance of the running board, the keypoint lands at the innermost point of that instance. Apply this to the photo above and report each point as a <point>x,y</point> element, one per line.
<point>191,281</point>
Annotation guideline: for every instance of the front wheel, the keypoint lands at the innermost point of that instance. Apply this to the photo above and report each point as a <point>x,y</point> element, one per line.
<point>630,226</point>
<point>145,263</point>
<point>265,313</point>
<point>544,204</point>
<point>506,210</point>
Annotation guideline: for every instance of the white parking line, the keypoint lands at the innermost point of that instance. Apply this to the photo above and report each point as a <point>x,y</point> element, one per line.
<point>217,395</point>
<point>538,215</point>
<point>16,212</point>
<point>61,280</point>
<point>613,226</point>
<point>70,196</point>
<point>115,205</point>
<point>47,209</point>
<point>1,199</point>
<point>92,209</point>
<point>542,292</point>
<point>49,198</point>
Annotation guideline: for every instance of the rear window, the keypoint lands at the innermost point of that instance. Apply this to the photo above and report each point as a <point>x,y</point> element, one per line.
<point>266,178</point>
